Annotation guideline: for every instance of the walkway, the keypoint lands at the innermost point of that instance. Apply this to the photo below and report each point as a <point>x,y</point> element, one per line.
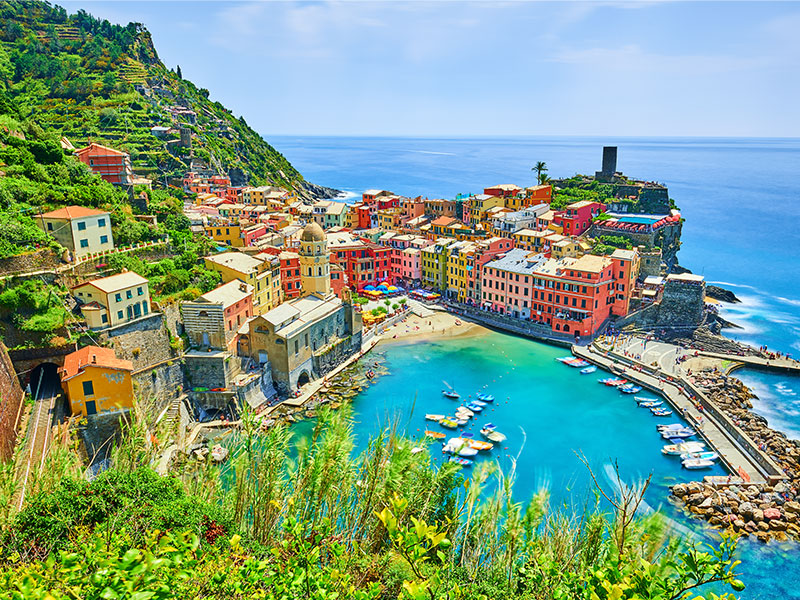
<point>779,364</point>
<point>736,458</point>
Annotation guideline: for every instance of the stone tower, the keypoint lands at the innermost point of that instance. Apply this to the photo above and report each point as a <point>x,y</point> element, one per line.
<point>315,269</point>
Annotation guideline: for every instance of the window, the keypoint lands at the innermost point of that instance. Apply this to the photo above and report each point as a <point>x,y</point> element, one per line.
<point>103,239</point>
<point>140,291</point>
<point>88,388</point>
<point>296,346</point>
<point>81,225</point>
<point>129,294</point>
<point>104,318</point>
<point>84,243</point>
<point>101,222</point>
<point>49,227</point>
<point>119,314</point>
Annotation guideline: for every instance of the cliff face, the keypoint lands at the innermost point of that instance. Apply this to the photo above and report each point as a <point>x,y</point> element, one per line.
<point>88,79</point>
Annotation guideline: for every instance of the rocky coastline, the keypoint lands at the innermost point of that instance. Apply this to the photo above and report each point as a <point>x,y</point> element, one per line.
<point>762,511</point>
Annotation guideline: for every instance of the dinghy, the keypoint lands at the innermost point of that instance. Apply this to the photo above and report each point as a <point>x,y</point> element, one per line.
<point>467,451</point>
<point>588,370</point>
<point>480,403</point>
<point>474,407</point>
<point>464,462</point>
<point>661,412</point>
<point>697,463</point>
<point>452,394</point>
<point>630,390</point>
<point>579,363</point>
<point>493,435</point>
<point>683,448</point>
<point>448,422</point>
<point>700,455</point>
<point>485,397</point>
<point>678,434</point>
<point>434,417</point>
<point>436,435</point>
<point>651,404</point>
<point>480,445</point>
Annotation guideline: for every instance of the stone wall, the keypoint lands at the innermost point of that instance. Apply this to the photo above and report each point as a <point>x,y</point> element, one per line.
<point>210,370</point>
<point>668,238</point>
<point>681,307</point>
<point>145,341</point>
<point>161,383</point>
<point>11,397</point>
<point>41,260</point>
<point>101,432</point>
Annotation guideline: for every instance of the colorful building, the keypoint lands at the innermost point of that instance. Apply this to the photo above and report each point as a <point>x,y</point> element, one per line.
<point>212,320</point>
<point>363,262</point>
<point>433,264</point>
<point>230,235</point>
<point>576,218</point>
<point>112,165</point>
<point>263,273</point>
<point>291,282</point>
<point>626,272</point>
<point>114,300</point>
<point>96,381</point>
<point>79,229</point>
<point>507,283</point>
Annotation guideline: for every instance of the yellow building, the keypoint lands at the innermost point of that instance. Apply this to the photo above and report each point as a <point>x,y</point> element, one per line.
<point>480,206</point>
<point>529,239</point>
<point>567,248</point>
<point>96,381</point>
<point>225,234</point>
<point>433,264</point>
<point>114,300</point>
<point>389,218</point>
<point>460,260</point>
<point>263,273</point>
<point>315,268</point>
<point>81,230</point>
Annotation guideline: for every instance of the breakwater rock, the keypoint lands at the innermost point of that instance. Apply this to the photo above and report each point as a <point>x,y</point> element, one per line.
<point>703,338</point>
<point>721,294</point>
<point>762,511</point>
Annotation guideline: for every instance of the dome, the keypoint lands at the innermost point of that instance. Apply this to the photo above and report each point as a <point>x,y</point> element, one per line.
<point>312,233</point>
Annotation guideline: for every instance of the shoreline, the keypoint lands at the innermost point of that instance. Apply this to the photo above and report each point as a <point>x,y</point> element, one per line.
<point>439,325</point>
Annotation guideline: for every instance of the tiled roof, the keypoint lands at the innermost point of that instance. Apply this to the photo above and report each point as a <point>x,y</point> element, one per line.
<point>73,212</point>
<point>92,356</point>
<point>113,283</point>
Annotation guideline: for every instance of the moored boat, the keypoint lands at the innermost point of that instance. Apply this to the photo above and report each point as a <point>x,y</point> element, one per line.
<point>651,404</point>
<point>474,407</point>
<point>467,451</point>
<point>434,417</point>
<point>436,435</point>
<point>588,370</point>
<point>700,455</point>
<point>682,448</point>
<point>452,394</point>
<point>448,422</point>
<point>464,462</point>
<point>661,412</point>
<point>678,434</point>
<point>480,403</point>
<point>485,397</point>
<point>612,381</point>
<point>579,363</point>
<point>493,435</point>
<point>697,463</point>
<point>480,445</point>
<point>635,389</point>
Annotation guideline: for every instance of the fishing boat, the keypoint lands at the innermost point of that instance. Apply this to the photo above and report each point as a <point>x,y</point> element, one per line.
<point>700,455</point>
<point>436,435</point>
<point>448,422</point>
<point>630,390</point>
<point>683,448</point>
<point>588,370</point>
<point>697,463</point>
<point>434,417</point>
<point>452,394</point>
<point>493,435</point>
<point>579,363</point>
<point>651,404</point>
<point>485,397</point>
<point>464,462</point>
<point>474,407</point>
<point>480,445</point>
<point>661,412</point>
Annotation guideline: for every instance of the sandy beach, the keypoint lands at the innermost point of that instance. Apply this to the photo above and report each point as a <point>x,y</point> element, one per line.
<point>439,325</point>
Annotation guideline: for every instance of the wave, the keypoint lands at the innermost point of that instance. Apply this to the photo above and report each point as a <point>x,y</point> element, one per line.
<point>432,152</point>
<point>790,301</point>
<point>728,283</point>
<point>346,196</point>
<point>784,390</point>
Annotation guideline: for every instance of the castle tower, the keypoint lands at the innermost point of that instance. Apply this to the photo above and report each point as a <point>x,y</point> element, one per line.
<point>315,269</point>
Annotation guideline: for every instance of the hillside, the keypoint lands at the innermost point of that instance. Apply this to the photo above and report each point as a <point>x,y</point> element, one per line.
<point>90,80</point>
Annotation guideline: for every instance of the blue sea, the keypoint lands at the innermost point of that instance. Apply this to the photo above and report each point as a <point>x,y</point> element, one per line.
<point>741,202</point>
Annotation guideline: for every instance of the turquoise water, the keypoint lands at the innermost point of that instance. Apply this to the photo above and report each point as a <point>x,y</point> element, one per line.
<point>643,220</point>
<point>550,411</point>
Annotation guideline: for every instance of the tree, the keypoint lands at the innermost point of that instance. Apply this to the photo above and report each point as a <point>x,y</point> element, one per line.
<point>541,168</point>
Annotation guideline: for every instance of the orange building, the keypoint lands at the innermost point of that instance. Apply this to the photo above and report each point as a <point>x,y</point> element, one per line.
<point>112,165</point>
<point>96,381</point>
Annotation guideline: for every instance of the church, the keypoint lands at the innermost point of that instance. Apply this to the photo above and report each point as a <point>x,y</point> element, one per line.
<point>303,339</point>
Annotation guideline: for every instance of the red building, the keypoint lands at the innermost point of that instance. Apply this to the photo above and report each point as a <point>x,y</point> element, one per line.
<point>504,190</point>
<point>252,233</point>
<point>538,194</point>
<point>112,165</point>
<point>363,262</point>
<point>290,275</point>
<point>577,217</point>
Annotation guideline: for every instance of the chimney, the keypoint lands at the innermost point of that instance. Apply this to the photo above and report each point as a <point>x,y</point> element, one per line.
<point>94,359</point>
<point>243,287</point>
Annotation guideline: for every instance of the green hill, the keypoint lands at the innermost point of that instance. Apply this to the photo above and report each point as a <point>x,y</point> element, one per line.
<point>88,79</point>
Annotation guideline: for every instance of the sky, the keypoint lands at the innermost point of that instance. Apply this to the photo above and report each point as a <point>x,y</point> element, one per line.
<point>451,68</point>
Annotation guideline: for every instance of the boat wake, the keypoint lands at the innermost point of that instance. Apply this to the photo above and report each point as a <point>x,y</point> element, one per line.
<point>432,152</point>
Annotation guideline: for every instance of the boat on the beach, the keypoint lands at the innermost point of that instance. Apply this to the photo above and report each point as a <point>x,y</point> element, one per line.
<point>452,394</point>
<point>660,411</point>
<point>493,435</point>
<point>436,435</point>
<point>683,448</point>
<point>434,417</point>
<point>485,397</point>
<point>474,407</point>
<point>588,370</point>
<point>464,462</point>
<point>697,463</point>
<point>700,455</point>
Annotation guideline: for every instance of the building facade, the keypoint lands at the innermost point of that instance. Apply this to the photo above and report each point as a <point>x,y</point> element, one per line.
<point>114,300</point>
<point>96,381</point>
<point>79,229</point>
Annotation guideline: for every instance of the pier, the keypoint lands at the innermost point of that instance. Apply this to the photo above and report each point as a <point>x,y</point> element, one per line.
<point>740,454</point>
<point>757,362</point>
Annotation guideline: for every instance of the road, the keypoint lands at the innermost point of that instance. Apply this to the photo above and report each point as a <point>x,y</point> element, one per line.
<point>39,435</point>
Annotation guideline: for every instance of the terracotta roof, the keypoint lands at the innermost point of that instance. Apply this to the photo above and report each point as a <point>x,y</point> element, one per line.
<point>114,283</point>
<point>444,221</point>
<point>73,212</point>
<point>92,356</point>
<point>94,146</point>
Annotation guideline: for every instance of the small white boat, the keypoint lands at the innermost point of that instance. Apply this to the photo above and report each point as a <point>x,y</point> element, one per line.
<point>480,403</point>
<point>448,422</point>
<point>452,394</point>
<point>697,463</point>
<point>467,451</point>
<point>480,445</point>
<point>493,435</point>
<point>678,449</point>
<point>651,404</point>
<point>463,410</point>
<point>700,455</point>
<point>644,399</point>
<point>417,450</point>
<point>484,397</point>
<point>678,433</point>
<point>474,407</point>
<point>588,370</point>
<point>461,420</point>
<point>434,417</point>
<point>660,411</point>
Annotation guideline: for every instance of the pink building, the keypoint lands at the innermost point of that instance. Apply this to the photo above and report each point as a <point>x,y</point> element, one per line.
<point>577,217</point>
<point>409,269</point>
<point>508,283</point>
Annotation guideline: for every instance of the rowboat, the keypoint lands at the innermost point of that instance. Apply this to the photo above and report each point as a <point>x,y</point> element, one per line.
<point>579,363</point>
<point>697,463</point>
<point>630,390</point>
<point>448,422</point>
<point>464,411</point>
<point>661,412</point>
<point>566,359</point>
<point>611,381</point>
<point>452,394</point>
<point>474,407</point>
<point>480,445</point>
<point>417,450</point>
<point>480,403</point>
<point>667,426</point>
<point>651,404</point>
<point>678,434</point>
<point>434,417</point>
<point>436,435</point>
<point>588,370</point>
<point>485,397</point>
<point>453,445</point>
<point>467,451</point>
<point>643,399</point>
<point>464,462</point>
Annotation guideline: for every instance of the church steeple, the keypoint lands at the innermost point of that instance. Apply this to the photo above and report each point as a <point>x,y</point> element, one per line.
<point>315,269</point>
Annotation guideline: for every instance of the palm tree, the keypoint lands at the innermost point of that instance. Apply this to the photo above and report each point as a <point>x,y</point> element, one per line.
<point>541,169</point>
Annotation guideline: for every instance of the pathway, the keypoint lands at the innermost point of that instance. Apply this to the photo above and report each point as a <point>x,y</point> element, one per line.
<point>782,363</point>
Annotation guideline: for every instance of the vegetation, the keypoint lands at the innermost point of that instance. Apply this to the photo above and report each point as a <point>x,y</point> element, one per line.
<point>85,78</point>
<point>606,244</point>
<point>312,520</point>
<point>541,171</point>
<point>577,189</point>
<point>34,308</point>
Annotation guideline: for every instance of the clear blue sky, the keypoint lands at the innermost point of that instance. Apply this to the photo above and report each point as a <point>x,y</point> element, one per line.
<point>486,68</point>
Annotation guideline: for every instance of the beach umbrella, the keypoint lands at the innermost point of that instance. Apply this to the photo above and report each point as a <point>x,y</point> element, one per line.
<point>382,288</point>
<point>369,288</point>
